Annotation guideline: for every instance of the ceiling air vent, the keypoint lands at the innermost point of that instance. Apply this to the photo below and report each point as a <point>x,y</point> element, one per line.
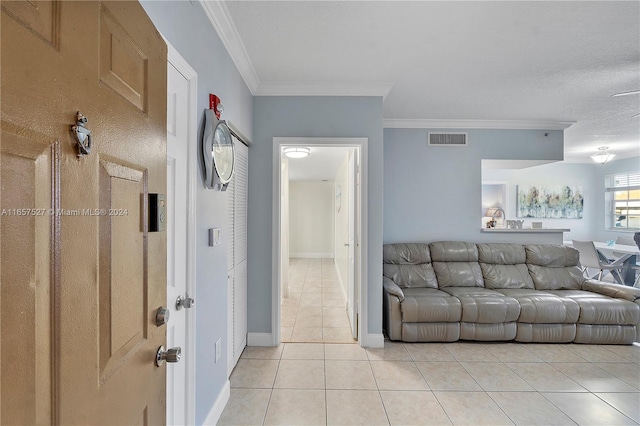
<point>447,139</point>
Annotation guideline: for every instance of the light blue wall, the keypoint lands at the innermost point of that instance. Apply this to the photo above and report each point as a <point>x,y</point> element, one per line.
<point>583,175</point>
<point>187,28</point>
<point>434,193</point>
<point>309,117</point>
<point>626,165</point>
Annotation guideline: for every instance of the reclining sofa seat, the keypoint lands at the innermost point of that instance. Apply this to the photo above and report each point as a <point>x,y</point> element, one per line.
<point>445,291</point>
<point>486,314</point>
<point>602,319</point>
<point>543,317</point>
<point>418,312</point>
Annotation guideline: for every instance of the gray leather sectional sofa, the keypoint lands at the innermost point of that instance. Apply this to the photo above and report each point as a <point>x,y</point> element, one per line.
<point>448,290</point>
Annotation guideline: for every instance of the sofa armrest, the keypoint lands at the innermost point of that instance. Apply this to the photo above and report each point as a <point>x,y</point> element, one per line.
<point>612,290</point>
<point>392,295</point>
<point>392,288</point>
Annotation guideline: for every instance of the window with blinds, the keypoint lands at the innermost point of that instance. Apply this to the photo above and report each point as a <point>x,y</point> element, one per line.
<point>622,195</point>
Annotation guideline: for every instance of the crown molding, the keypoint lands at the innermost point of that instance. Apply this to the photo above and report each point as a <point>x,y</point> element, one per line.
<point>475,124</point>
<point>323,89</point>
<point>219,16</point>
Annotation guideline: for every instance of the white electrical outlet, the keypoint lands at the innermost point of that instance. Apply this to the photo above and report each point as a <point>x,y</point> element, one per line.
<point>218,348</point>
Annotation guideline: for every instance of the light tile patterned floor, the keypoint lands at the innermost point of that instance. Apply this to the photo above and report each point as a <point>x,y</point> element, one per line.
<point>439,384</point>
<point>314,310</point>
<point>329,380</point>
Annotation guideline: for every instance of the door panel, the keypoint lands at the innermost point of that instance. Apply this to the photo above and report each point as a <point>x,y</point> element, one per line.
<point>40,17</point>
<point>123,253</point>
<point>123,64</point>
<point>93,278</point>
<point>26,296</point>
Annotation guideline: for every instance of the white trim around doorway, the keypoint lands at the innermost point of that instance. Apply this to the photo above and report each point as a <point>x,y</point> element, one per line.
<point>364,338</point>
<point>180,64</point>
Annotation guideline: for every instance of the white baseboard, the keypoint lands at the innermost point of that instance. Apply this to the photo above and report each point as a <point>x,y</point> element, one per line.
<point>311,255</point>
<point>373,341</point>
<point>218,407</point>
<point>259,339</point>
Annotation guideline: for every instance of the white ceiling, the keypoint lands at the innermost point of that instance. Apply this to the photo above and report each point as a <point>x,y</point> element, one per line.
<point>495,64</point>
<point>322,163</point>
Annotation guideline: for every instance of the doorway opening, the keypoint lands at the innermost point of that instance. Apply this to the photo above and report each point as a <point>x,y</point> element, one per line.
<point>318,288</point>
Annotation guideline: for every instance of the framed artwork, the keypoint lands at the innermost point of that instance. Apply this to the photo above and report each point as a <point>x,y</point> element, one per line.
<point>550,202</point>
<point>338,197</point>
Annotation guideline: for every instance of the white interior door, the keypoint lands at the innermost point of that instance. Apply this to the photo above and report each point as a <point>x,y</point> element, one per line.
<point>352,295</point>
<point>177,239</point>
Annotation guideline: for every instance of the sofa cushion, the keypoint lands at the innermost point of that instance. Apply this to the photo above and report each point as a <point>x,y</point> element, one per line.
<point>502,254</point>
<point>603,310</point>
<point>554,267</point>
<point>481,305</point>
<point>429,305</point>
<point>456,264</point>
<point>458,274</point>
<point>506,276</point>
<point>503,266</point>
<point>538,307</point>
<point>552,255</point>
<point>453,251</point>
<point>408,265</point>
<point>406,253</point>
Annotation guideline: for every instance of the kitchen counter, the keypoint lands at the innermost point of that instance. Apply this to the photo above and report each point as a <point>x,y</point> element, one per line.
<point>525,230</point>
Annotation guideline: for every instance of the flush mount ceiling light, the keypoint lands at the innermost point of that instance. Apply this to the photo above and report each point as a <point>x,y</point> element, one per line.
<point>602,156</point>
<point>296,151</point>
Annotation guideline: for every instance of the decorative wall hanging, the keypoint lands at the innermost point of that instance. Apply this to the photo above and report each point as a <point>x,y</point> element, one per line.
<point>552,202</point>
<point>217,148</point>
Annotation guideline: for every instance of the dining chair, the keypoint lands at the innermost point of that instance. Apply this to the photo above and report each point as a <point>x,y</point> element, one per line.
<point>626,240</point>
<point>636,239</point>
<point>589,258</point>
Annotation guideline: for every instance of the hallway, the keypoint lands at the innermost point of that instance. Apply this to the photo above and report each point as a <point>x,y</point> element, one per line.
<point>315,309</point>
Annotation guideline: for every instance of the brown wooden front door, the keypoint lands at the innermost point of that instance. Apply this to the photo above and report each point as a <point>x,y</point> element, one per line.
<point>81,276</point>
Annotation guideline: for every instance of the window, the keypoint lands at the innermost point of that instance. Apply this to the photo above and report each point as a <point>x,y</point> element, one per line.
<point>623,201</point>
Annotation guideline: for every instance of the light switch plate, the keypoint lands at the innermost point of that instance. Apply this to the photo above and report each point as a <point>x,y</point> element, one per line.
<point>215,236</point>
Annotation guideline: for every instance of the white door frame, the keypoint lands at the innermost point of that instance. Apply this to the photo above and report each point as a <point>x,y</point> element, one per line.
<point>175,59</point>
<point>361,231</point>
<point>353,209</point>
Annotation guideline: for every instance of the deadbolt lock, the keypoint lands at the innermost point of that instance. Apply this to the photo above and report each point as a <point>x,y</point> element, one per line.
<point>162,316</point>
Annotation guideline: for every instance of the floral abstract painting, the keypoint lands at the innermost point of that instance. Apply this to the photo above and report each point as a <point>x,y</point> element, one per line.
<point>552,202</point>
